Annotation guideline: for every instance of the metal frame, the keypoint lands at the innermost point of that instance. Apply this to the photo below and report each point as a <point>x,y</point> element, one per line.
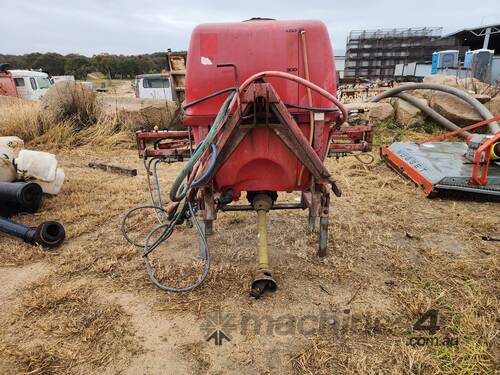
<point>477,182</point>
<point>259,100</point>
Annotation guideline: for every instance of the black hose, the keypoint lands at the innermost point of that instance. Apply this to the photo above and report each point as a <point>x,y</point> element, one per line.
<point>49,234</point>
<point>217,93</point>
<point>17,197</point>
<point>204,256</point>
<point>312,109</point>
<point>169,220</point>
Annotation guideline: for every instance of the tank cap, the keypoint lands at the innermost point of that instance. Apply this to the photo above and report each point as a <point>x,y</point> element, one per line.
<point>260,19</point>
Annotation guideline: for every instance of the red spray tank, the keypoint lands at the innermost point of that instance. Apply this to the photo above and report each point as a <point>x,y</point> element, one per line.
<point>261,161</point>
<point>260,110</point>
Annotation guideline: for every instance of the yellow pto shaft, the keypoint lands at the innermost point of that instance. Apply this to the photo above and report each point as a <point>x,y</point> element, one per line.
<point>262,228</point>
<point>263,279</point>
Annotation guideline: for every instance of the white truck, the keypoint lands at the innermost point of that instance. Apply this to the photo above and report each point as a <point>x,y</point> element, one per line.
<point>154,86</point>
<point>31,84</point>
<point>57,79</point>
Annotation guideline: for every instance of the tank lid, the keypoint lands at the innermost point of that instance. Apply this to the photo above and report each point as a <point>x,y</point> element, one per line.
<point>259,19</point>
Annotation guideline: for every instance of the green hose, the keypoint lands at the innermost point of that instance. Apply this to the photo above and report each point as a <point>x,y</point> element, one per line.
<point>175,196</point>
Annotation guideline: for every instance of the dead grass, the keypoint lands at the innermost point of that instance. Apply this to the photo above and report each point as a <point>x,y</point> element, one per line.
<point>43,127</point>
<point>70,101</point>
<point>26,120</point>
<point>66,329</point>
<point>393,254</point>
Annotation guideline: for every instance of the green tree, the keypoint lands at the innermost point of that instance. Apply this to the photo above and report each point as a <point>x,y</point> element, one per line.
<point>52,63</point>
<point>113,66</point>
<point>78,66</point>
<point>105,64</point>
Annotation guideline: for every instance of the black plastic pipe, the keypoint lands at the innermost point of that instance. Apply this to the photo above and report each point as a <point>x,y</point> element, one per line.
<point>16,197</point>
<point>49,234</point>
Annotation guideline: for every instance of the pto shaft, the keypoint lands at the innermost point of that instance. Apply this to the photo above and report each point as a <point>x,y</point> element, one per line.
<point>262,228</point>
<point>263,280</point>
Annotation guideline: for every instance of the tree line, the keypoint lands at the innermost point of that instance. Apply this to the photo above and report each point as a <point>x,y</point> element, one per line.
<point>113,66</point>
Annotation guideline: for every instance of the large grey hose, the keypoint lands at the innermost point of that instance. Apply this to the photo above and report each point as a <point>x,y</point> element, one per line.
<point>431,113</point>
<point>481,109</point>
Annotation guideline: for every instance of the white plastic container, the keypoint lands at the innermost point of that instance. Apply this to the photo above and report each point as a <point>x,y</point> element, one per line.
<point>7,170</point>
<point>9,150</point>
<point>11,146</point>
<point>55,186</point>
<point>38,165</point>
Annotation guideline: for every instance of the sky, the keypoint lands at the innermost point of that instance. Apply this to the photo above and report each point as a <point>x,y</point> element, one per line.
<point>133,27</point>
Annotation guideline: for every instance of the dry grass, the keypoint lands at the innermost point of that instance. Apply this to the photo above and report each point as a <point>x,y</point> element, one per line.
<point>392,255</point>
<point>26,120</point>
<point>66,329</point>
<point>47,126</point>
<point>324,357</point>
<point>70,101</point>
<point>445,265</point>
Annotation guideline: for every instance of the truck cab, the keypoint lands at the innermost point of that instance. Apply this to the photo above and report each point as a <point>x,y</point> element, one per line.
<point>7,86</point>
<point>31,84</point>
<point>154,86</point>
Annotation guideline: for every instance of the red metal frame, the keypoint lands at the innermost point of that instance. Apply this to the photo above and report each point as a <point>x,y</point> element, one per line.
<point>351,138</point>
<point>482,158</point>
<point>261,110</point>
<point>168,144</point>
<point>406,170</point>
<point>234,132</point>
<point>458,131</point>
<point>482,154</point>
<point>480,164</point>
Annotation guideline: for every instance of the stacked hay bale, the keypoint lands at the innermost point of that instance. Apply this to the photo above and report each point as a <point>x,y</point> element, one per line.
<point>141,113</point>
<point>70,101</point>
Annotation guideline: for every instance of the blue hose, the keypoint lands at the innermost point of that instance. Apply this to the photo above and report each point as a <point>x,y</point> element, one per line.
<point>210,169</point>
<point>157,183</point>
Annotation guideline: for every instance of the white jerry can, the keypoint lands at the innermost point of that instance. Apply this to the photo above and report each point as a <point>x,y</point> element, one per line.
<point>7,170</point>
<point>54,187</point>
<point>9,150</point>
<point>37,165</point>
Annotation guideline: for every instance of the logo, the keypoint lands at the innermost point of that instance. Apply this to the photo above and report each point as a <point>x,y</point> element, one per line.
<point>429,322</point>
<point>218,327</point>
<point>432,326</point>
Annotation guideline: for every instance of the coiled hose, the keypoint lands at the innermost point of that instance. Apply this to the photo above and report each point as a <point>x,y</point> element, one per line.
<point>167,220</point>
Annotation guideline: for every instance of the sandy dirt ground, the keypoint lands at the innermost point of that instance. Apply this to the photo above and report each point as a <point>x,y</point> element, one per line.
<point>89,307</point>
<point>144,113</point>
